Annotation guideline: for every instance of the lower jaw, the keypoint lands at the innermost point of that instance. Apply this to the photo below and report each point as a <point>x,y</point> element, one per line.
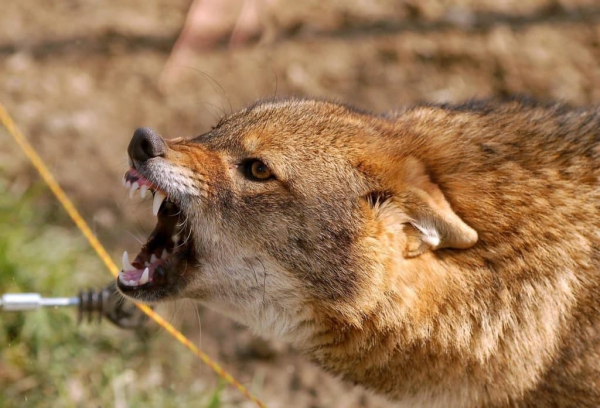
<point>162,276</point>
<point>148,293</point>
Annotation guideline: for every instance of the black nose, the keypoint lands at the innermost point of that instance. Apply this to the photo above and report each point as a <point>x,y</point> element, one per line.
<point>146,144</point>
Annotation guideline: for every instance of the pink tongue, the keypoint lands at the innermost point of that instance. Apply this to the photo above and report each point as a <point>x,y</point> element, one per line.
<point>136,274</point>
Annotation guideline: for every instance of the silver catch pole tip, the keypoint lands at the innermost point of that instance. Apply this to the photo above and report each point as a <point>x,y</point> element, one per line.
<point>14,302</point>
<point>21,301</point>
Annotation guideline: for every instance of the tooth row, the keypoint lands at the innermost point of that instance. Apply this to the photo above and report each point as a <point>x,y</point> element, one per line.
<point>127,282</point>
<point>134,187</point>
<point>127,266</point>
<point>153,258</point>
<point>143,280</point>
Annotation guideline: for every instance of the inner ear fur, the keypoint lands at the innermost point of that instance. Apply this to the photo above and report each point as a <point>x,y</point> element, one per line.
<point>428,221</point>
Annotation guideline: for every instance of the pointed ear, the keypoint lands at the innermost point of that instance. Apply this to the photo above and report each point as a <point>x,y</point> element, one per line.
<point>435,225</point>
<point>428,221</point>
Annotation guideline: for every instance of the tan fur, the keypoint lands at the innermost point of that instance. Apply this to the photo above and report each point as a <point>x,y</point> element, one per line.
<point>442,256</point>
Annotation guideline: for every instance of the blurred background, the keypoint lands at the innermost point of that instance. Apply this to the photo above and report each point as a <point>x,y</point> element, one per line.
<point>80,75</point>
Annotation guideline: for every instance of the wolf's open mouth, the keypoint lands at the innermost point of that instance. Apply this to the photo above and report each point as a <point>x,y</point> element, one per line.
<point>169,243</point>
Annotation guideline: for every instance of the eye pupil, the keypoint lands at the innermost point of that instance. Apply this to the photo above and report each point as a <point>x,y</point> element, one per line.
<point>259,171</point>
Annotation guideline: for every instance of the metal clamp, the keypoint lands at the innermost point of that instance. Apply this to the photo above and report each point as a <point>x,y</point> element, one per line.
<point>107,302</point>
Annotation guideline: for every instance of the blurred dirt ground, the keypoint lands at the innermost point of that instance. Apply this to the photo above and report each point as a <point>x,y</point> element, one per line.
<point>80,76</point>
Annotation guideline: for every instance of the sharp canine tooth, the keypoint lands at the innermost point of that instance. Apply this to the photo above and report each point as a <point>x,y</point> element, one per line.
<point>134,188</point>
<point>164,254</point>
<point>175,238</point>
<point>128,184</point>
<point>143,190</point>
<point>158,199</point>
<point>126,265</point>
<point>153,258</point>
<point>145,275</point>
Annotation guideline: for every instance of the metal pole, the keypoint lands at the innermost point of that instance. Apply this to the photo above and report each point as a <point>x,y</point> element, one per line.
<point>14,302</point>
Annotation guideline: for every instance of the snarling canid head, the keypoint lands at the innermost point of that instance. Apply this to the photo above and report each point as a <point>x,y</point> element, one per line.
<point>321,224</point>
<point>284,214</point>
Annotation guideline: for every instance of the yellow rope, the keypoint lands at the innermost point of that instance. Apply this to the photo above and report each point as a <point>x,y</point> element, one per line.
<point>37,162</point>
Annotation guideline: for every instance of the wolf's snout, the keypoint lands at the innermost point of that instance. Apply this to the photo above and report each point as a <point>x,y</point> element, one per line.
<point>146,144</point>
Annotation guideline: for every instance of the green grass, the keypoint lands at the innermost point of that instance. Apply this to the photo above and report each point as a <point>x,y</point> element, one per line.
<point>46,360</point>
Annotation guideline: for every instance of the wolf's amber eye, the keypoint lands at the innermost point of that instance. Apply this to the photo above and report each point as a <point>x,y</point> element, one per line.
<point>257,170</point>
